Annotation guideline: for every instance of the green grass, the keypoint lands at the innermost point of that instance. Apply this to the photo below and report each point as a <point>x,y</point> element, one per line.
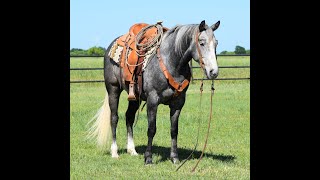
<point>228,150</point>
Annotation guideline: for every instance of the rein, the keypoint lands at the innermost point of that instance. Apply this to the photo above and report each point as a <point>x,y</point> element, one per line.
<point>205,144</point>
<point>196,145</point>
<point>209,122</point>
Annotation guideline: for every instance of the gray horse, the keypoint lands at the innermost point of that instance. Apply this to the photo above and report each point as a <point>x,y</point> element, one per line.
<point>178,47</point>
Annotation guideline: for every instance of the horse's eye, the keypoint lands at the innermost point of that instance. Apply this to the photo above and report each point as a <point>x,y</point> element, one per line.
<point>201,43</point>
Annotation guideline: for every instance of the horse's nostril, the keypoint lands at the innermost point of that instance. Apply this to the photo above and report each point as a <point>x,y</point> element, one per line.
<point>212,74</point>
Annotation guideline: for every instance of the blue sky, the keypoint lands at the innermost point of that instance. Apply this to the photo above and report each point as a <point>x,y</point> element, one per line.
<point>98,22</point>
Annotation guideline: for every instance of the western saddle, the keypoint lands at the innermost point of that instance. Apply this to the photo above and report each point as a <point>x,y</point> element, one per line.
<point>132,58</point>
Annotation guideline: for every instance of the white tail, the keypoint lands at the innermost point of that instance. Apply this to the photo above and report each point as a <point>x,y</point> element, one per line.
<point>100,130</point>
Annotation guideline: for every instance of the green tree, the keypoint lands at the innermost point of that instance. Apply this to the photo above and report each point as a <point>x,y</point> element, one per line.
<point>230,53</point>
<point>248,51</point>
<point>224,52</point>
<point>76,49</point>
<point>240,50</point>
<point>96,51</point>
<point>78,52</point>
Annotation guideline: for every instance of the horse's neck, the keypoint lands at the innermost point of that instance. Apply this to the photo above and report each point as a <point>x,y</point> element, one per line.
<point>177,63</point>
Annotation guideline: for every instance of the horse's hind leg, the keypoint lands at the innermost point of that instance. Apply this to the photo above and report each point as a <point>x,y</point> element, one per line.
<point>130,114</point>
<point>114,94</point>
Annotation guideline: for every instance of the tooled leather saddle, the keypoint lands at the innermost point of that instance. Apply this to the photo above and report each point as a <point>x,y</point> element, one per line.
<point>125,51</point>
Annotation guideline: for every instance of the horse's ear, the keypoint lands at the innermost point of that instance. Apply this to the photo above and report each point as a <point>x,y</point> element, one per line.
<point>215,26</point>
<point>202,26</point>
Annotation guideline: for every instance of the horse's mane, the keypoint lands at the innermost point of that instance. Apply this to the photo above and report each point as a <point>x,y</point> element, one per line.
<point>182,34</point>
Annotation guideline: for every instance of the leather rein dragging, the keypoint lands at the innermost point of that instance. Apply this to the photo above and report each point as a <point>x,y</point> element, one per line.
<point>201,89</point>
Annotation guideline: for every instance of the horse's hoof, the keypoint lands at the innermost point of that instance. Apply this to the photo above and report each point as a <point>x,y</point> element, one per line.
<point>148,161</point>
<point>115,156</point>
<point>132,152</point>
<point>175,160</point>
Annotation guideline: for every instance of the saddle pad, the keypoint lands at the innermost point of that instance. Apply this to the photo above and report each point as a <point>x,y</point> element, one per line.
<point>117,49</point>
<point>147,58</point>
<point>115,52</point>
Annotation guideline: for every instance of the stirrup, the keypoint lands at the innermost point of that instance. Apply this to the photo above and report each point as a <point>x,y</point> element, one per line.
<point>131,96</point>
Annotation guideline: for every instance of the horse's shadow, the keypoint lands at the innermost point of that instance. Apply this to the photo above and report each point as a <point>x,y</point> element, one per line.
<point>164,153</point>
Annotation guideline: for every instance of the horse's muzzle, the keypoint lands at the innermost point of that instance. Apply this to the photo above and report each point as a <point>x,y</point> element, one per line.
<point>213,74</point>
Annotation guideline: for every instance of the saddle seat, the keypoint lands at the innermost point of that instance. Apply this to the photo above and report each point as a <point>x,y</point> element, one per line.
<point>132,74</point>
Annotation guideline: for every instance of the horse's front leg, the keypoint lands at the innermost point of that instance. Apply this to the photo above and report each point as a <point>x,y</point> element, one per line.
<point>175,109</point>
<point>174,117</point>
<point>152,105</point>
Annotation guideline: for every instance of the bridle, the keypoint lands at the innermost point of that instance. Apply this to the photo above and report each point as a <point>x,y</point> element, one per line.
<point>199,51</point>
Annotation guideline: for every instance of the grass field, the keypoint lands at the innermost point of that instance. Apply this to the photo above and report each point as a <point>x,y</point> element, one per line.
<point>228,150</point>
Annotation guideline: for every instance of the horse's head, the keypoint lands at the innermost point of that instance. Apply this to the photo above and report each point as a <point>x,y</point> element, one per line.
<point>204,51</point>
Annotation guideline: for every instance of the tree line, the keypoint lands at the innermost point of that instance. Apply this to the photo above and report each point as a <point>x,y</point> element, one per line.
<point>100,51</point>
<point>238,50</point>
<point>93,51</point>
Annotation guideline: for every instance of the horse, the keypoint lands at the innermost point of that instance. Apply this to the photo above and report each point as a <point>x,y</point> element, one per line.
<point>179,45</point>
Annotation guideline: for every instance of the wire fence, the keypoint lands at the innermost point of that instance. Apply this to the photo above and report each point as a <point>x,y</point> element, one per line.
<point>192,67</point>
